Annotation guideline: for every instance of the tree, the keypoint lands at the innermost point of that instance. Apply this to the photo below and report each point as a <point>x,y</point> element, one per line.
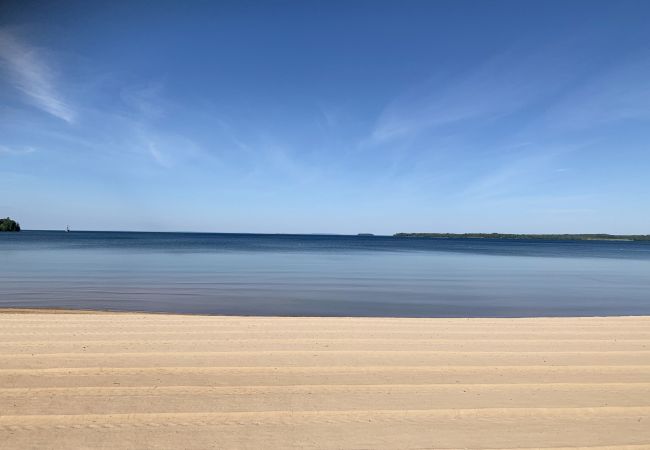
<point>9,225</point>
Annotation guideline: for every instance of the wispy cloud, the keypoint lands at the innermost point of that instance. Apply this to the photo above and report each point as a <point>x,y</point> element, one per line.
<point>519,173</point>
<point>621,93</point>
<point>167,149</point>
<point>15,150</point>
<point>506,179</point>
<point>33,76</point>
<point>500,86</point>
<point>147,100</point>
<point>158,156</point>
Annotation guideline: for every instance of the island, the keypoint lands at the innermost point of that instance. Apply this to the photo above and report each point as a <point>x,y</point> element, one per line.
<point>8,224</point>
<point>554,237</point>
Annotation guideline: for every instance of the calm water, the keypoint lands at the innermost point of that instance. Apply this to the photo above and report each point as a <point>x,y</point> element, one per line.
<point>323,275</point>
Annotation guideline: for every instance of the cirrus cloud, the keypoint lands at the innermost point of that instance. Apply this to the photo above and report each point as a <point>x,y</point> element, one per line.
<point>29,73</point>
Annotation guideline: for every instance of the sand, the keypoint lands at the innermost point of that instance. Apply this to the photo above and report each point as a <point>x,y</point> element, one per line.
<point>169,381</point>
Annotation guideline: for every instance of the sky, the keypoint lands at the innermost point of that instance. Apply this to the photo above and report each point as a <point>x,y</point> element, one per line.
<point>326,117</point>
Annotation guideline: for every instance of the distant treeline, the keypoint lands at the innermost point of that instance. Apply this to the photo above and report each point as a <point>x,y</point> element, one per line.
<point>563,237</point>
<point>9,225</point>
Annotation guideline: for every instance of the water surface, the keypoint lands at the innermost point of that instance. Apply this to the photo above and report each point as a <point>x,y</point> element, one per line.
<point>323,275</point>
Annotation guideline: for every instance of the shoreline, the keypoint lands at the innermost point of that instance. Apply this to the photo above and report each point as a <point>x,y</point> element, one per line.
<point>74,311</point>
<point>71,379</point>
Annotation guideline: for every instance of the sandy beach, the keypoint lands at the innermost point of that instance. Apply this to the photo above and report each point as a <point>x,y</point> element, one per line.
<point>104,380</point>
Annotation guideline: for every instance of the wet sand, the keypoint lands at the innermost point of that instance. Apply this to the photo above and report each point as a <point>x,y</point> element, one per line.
<point>104,380</point>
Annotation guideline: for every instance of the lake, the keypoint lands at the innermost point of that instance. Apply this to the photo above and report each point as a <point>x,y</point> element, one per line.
<point>318,275</point>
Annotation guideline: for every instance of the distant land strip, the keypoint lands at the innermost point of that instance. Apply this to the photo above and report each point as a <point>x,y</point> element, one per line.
<point>562,237</point>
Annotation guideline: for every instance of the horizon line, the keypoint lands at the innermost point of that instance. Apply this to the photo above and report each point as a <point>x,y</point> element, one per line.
<point>360,234</point>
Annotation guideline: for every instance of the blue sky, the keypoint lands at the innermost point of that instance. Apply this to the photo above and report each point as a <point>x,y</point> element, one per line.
<point>336,117</point>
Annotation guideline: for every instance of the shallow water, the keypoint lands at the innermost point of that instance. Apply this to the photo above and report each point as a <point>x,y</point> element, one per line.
<point>323,275</point>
